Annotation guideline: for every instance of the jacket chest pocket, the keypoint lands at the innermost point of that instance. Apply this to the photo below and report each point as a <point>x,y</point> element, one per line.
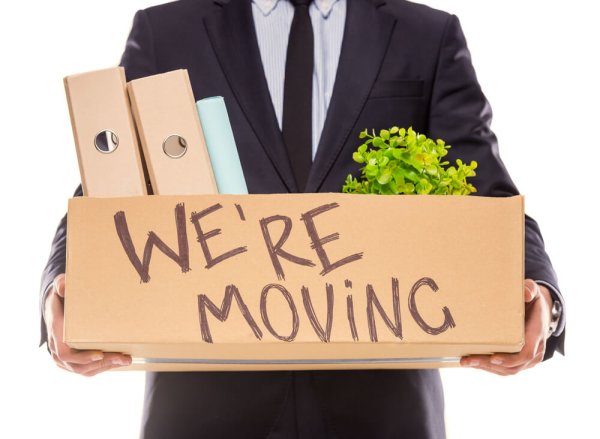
<point>397,89</point>
<point>394,103</point>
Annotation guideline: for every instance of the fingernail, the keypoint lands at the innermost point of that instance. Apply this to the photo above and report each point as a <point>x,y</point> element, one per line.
<point>97,357</point>
<point>496,361</point>
<point>119,362</point>
<point>474,363</point>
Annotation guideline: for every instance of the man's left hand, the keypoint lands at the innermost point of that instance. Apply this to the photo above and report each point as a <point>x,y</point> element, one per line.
<point>538,303</point>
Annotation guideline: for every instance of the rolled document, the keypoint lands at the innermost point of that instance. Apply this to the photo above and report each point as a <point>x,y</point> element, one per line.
<point>221,146</point>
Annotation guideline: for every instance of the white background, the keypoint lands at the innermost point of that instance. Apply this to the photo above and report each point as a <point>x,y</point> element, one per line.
<point>535,61</point>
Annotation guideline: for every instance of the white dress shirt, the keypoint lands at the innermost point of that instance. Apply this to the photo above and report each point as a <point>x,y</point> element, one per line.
<point>273,20</point>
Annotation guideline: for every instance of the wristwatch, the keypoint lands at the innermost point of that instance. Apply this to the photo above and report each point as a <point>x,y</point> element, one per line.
<point>555,314</point>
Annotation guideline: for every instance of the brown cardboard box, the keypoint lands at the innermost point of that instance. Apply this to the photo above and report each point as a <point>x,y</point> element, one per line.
<point>109,158</point>
<point>302,281</point>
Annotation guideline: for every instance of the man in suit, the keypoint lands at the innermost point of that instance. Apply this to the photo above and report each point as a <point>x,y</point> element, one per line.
<point>394,63</point>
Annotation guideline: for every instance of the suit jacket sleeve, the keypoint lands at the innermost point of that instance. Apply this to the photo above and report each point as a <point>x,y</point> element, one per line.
<point>461,115</point>
<point>138,61</point>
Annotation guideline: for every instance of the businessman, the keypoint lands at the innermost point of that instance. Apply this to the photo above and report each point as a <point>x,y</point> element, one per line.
<point>301,79</point>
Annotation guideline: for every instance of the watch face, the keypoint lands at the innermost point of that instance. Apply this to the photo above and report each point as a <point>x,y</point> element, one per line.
<point>555,317</point>
<point>556,310</point>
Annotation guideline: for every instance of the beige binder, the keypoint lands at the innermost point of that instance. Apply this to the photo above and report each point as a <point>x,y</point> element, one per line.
<point>107,149</point>
<point>171,135</point>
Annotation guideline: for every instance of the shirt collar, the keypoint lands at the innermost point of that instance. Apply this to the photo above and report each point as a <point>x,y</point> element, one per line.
<point>324,6</point>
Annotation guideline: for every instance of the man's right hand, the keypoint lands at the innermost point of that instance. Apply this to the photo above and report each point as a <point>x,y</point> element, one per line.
<point>86,363</point>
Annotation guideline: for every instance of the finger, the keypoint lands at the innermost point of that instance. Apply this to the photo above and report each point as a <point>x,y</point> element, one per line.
<point>110,361</point>
<point>529,352</point>
<point>59,285</point>
<point>506,371</point>
<point>532,290</point>
<point>499,370</point>
<point>100,370</point>
<point>496,360</point>
<point>484,362</point>
<point>74,356</point>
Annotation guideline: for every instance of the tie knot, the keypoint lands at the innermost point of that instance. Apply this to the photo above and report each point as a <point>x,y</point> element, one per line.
<point>301,2</point>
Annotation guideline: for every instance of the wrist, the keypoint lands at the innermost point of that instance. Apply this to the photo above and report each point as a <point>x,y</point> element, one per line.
<point>51,289</point>
<point>45,296</point>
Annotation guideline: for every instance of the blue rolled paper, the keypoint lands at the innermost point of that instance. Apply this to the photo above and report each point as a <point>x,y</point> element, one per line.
<point>221,146</point>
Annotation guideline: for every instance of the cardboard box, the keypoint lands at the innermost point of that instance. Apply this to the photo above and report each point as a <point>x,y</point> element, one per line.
<point>295,281</point>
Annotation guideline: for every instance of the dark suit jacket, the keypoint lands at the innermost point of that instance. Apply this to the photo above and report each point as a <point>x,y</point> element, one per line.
<point>401,64</point>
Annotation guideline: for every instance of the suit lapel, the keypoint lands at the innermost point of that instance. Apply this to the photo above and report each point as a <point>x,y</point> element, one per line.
<point>366,38</point>
<point>233,37</point>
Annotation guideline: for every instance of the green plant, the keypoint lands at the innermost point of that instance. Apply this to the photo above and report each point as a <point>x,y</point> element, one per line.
<point>400,161</point>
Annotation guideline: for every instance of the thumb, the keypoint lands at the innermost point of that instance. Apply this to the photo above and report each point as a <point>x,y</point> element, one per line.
<point>532,290</point>
<point>59,285</point>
